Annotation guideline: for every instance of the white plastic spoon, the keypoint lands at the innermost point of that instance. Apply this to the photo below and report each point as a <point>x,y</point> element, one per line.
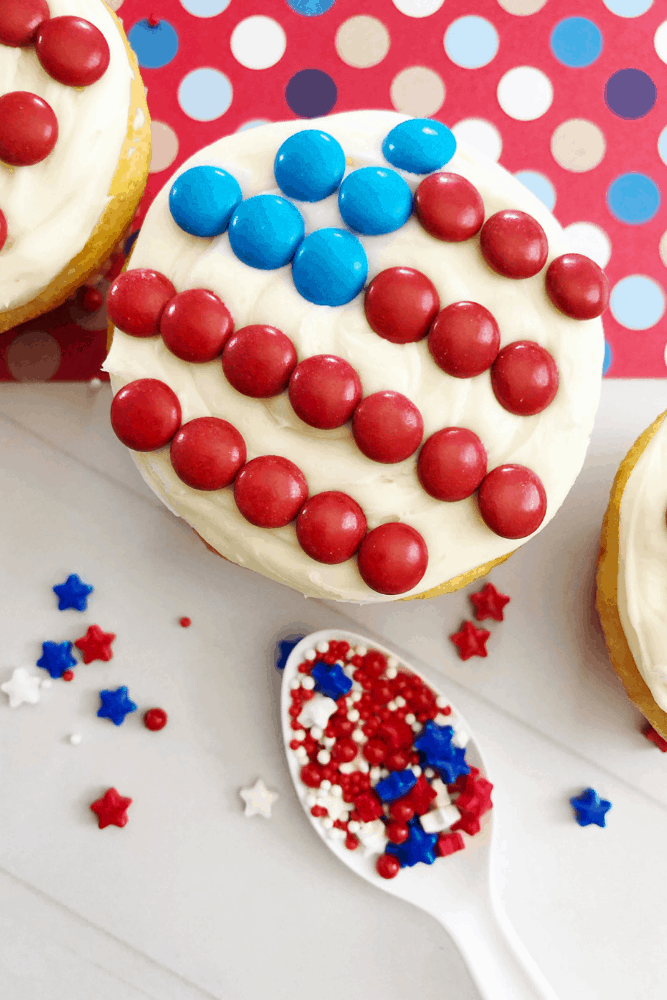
<point>459,890</point>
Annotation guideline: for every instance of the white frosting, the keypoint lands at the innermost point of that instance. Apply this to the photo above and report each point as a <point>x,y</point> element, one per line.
<point>53,207</point>
<point>552,443</point>
<point>642,565</point>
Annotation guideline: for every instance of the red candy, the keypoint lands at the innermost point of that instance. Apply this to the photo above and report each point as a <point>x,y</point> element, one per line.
<point>512,501</point>
<point>387,866</point>
<point>195,325</point>
<point>310,775</point>
<point>330,527</point>
<point>72,51</point>
<point>3,230</point>
<point>449,207</point>
<point>20,19</point>
<point>449,843</point>
<point>470,640</point>
<point>524,378</point>
<point>269,491</point>
<point>111,809</point>
<point>387,427</point>
<point>489,603</point>
<point>95,644</point>
<point>28,129</point>
<point>401,811</point>
<point>401,304</point>
<point>136,300</point>
<point>577,286</point>
<point>324,391</point>
<point>185,622</point>
<point>207,453</point>
<point>155,719</point>
<point>464,339</point>
<point>392,558</point>
<point>514,244</point>
<point>91,299</point>
<point>145,414</point>
<point>397,833</point>
<point>452,464</point>
<point>258,361</point>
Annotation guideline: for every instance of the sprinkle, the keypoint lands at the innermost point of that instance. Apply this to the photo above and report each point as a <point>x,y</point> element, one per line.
<point>316,732</point>
<point>111,809</point>
<point>185,622</point>
<point>115,705</point>
<point>308,683</point>
<point>590,808</point>
<point>73,593</point>
<point>310,654</point>
<point>323,757</point>
<point>95,644</point>
<point>75,739</point>
<point>22,688</point>
<point>258,799</point>
<point>154,719</point>
<point>322,647</point>
<point>56,658</point>
<point>470,640</point>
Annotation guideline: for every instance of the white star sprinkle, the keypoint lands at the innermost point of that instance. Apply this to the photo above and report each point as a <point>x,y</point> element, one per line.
<point>258,799</point>
<point>317,711</point>
<point>22,687</point>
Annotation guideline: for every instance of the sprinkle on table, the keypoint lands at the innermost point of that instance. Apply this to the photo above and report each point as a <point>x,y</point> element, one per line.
<point>589,808</point>
<point>73,593</point>
<point>111,809</point>
<point>56,658</point>
<point>470,640</point>
<point>116,705</point>
<point>655,737</point>
<point>155,719</point>
<point>489,603</point>
<point>258,799</point>
<point>95,644</point>
<point>22,688</point>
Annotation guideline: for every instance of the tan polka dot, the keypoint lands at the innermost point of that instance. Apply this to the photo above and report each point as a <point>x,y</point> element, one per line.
<point>417,91</point>
<point>114,4</point>
<point>522,7</point>
<point>663,249</point>
<point>578,145</point>
<point>33,356</point>
<point>362,41</point>
<point>164,144</point>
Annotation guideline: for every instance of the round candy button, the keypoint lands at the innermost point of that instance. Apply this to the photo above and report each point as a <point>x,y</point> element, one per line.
<point>195,325</point>
<point>524,378</point>
<point>577,286</point>
<point>324,391</point>
<point>452,464</point>
<point>3,230</point>
<point>28,129</point>
<point>419,145</point>
<point>401,304</point>
<point>258,361</point>
<point>136,300</point>
<point>264,231</point>
<point>202,199</point>
<point>330,267</point>
<point>155,719</point>
<point>464,339</point>
<point>269,491</point>
<point>387,427</point>
<point>207,453</point>
<point>20,19</point>
<point>393,558</point>
<point>373,201</point>
<point>71,50</point>
<point>449,207</point>
<point>512,501</point>
<point>514,244</point>
<point>145,414</point>
<point>387,866</point>
<point>309,165</point>
<point>330,527</point>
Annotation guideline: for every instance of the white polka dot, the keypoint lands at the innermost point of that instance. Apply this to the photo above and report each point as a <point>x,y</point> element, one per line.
<point>660,41</point>
<point>591,240</point>
<point>205,8</point>
<point>480,134</point>
<point>253,123</point>
<point>662,248</point>
<point>258,42</point>
<point>205,94</point>
<point>628,8</point>
<point>525,93</point>
<point>418,8</point>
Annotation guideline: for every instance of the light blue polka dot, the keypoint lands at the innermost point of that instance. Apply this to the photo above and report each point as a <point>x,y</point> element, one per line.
<point>628,8</point>
<point>540,185</point>
<point>311,8</point>
<point>608,357</point>
<point>471,42</point>
<point>253,123</point>
<point>662,145</point>
<point>637,302</point>
<point>205,94</point>
<point>205,8</point>
<point>154,46</point>
<point>633,198</point>
<point>576,41</point>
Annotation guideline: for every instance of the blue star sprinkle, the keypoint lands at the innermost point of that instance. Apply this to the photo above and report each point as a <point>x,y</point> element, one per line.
<point>418,847</point>
<point>436,748</point>
<point>56,658</point>
<point>116,705</point>
<point>590,808</point>
<point>396,785</point>
<point>330,680</point>
<point>73,593</point>
<point>284,648</point>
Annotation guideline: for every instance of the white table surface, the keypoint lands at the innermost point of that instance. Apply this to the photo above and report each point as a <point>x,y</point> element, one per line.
<point>193,900</point>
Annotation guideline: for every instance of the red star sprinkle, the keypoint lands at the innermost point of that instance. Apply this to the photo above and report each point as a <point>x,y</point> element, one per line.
<point>489,603</point>
<point>111,809</point>
<point>470,641</point>
<point>420,796</point>
<point>656,738</point>
<point>95,644</point>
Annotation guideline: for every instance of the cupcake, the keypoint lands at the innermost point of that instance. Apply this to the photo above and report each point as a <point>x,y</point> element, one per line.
<point>355,357</point>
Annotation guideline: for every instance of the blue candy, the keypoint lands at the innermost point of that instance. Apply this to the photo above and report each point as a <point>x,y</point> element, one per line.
<point>283,649</point>
<point>115,705</point>
<point>419,847</point>
<point>73,593</point>
<point>202,200</point>
<point>590,808</point>
<point>436,747</point>
<point>374,200</point>
<point>264,231</point>
<point>419,145</point>
<point>56,658</point>
<point>398,784</point>
<point>330,267</point>
<point>309,165</point>
<point>330,680</point>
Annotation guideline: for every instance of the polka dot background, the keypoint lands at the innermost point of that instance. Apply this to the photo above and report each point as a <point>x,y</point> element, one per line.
<point>569,95</point>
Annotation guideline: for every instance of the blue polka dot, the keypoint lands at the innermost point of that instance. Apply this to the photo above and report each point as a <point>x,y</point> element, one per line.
<point>576,41</point>
<point>628,8</point>
<point>265,231</point>
<point>633,198</point>
<point>637,302</point>
<point>205,94</point>
<point>330,267</point>
<point>662,145</point>
<point>309,165</point>
<point>153,46</point>
<point>205,8</point>
<point>540,185</point>
<point>311,8</point>
<point>373,200</point>
<point>419,145</point>
<point>253,123</point>
<point>608,357</point>
<point>471,42</point>
<point>202,200</point>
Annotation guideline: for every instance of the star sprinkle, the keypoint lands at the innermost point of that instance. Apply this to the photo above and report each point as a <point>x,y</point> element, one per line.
<point>396,785</point>
<point>330,680</point>
<point>317,711</point>
<point>372,836</point>
<point>436,747</point>
<point>73,593</point>
<point>258,799</point>
<point>419,847</point>
<point>656,738</point>
<point>56,658</point>
<point>590,808</point>
<point>111,809</point>
<point>284,648</point>
<point>421,796</point>
<point>95,644</point>
<point>470,641</point>
<point>489,603</point>
<point>115,705</point>
<point>22,688</point>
